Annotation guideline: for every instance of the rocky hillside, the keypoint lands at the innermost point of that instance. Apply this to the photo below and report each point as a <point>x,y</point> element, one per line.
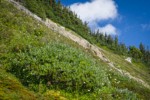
<point>46,56</point>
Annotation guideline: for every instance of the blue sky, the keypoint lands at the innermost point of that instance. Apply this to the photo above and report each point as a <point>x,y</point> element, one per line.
<point>129,19</point>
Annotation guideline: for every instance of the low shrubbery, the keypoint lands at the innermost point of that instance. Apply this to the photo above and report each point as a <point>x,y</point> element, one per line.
<point>58,65</point>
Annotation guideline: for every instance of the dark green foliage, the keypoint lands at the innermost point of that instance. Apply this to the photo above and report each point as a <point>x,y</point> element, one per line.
<point>36,7</point>
<point>139,55</point>
<point>142,48</point>
<point>110,42</point>
<point>57,65</point>
<point>145,54</point>
<point>146,57</point>
<point>135,53</point>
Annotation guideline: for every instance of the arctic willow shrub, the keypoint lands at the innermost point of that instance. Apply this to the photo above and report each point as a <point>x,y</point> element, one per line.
<point>58,66</point>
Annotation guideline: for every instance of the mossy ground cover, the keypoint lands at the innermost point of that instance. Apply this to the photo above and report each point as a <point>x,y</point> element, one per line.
<point>11,88</point>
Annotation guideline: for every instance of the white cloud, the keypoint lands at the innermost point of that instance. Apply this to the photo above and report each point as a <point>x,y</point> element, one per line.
<point>109,29</point>
<point>95,11</point>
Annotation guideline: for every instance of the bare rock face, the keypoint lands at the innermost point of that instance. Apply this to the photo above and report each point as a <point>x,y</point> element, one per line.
<point>129,59</point>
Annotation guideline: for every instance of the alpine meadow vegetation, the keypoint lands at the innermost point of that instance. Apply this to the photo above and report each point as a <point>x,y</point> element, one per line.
<point>37,63</point>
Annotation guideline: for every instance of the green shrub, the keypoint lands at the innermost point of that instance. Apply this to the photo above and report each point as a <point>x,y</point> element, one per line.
<point>58,66</point>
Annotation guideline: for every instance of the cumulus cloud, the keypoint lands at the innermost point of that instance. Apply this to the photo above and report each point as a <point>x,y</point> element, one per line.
<point>109,29</point>
<point>95,11</point>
